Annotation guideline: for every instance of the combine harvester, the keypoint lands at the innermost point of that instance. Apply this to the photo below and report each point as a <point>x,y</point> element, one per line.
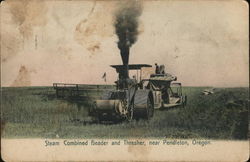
<point>134,99</point>
<point>131,99</point>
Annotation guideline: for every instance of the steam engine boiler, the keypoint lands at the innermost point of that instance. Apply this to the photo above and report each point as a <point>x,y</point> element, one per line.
<point>128,101</point>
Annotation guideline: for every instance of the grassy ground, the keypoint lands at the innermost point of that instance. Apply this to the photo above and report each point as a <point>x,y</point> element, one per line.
<point>35,112</point>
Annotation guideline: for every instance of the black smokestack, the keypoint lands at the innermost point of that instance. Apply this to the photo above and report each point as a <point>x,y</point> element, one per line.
<point>126,26</point>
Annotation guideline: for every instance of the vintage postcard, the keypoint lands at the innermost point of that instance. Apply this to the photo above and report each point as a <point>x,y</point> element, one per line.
<point>124,80</point>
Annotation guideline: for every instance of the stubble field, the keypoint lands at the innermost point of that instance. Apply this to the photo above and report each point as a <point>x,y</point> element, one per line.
<point>35,112</point>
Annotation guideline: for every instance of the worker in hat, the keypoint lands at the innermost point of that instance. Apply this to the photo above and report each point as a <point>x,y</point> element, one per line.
<point>157,69</point>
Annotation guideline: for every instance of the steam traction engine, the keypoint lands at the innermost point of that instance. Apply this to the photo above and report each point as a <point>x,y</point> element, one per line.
<point>128,101</point>
<point>135,99</point>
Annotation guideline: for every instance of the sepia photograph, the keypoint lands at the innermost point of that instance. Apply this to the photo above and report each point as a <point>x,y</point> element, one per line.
<point>124,80</point>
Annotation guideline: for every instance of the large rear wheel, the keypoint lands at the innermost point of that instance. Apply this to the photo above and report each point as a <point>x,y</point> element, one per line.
<point>150,108</point>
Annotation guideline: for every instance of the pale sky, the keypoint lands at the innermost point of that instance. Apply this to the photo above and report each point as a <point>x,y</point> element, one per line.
<point>203,43</point>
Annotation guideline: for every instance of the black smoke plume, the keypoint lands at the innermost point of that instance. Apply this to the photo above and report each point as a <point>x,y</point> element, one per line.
<point>126,26</point>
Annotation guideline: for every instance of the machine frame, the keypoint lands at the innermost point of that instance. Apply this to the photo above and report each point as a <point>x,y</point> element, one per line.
<point>132,99</point>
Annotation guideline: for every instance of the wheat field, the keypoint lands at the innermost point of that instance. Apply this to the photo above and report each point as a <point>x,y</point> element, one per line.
<point>36,112</point>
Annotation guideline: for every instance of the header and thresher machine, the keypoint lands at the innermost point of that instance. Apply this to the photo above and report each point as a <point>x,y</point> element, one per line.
<point>134,99</point>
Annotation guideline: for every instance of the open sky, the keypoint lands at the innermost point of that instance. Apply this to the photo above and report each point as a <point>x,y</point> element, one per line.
<point>203,43</point>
